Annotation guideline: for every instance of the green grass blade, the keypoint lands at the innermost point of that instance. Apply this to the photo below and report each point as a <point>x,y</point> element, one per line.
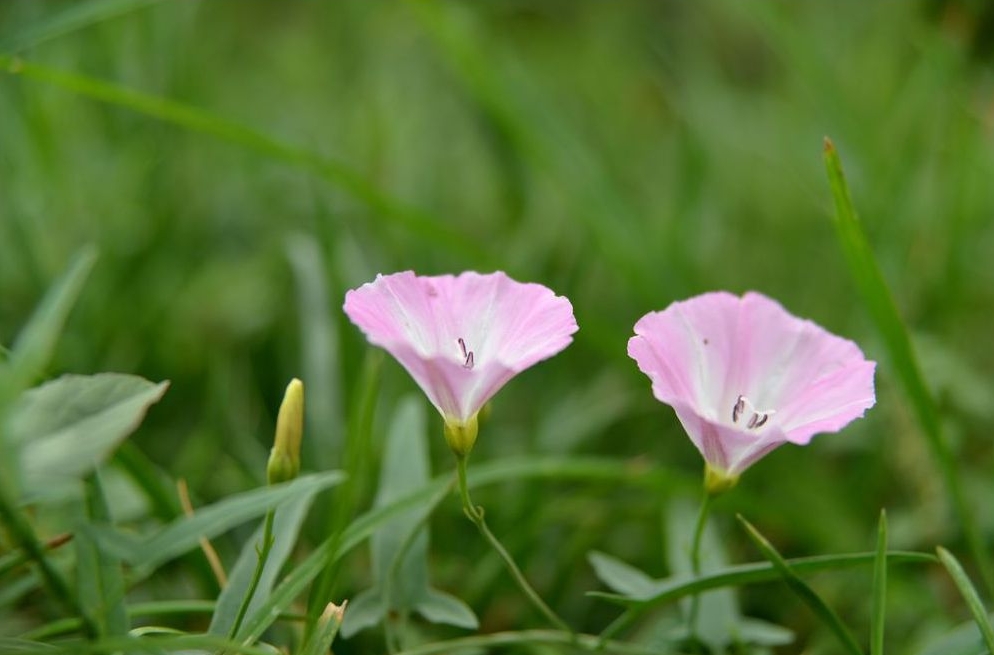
<point>74,17</point>
<point>877,298</point>
<point>35,343</point>
<point>419,223</point>
<point>878,615</point>
<point>99,579</point>
<point>320,359</point>
<point>803,591</point>
<point>970,595</point>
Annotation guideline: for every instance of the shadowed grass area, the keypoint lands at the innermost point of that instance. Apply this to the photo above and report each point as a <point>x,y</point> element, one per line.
<point>239,165</point>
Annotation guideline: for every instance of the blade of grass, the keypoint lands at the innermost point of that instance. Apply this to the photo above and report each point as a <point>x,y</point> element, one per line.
<point>672,590</point>
<point>75,17</point>
<point>969,593</point>
<point>419,223</point>
<point>878,614</point>
<point>99,579</point>
<point>36,341</point>
<point>801,588</point>
<point>879,303</point>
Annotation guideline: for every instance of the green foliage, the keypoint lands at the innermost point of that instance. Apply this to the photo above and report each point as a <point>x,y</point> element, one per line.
<point>238,166</point>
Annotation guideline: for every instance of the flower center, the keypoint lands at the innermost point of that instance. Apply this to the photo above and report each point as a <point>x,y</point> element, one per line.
<point>752,417</point>
<point>467,355</point>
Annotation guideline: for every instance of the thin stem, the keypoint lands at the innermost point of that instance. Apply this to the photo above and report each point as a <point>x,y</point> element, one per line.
<point>25,537</point>
<point>695,558</point>
<point>267,545</point>
<point>475,514</point>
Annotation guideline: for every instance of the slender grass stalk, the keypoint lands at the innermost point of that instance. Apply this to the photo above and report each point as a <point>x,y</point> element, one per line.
<point>475,514</point>
<point>267,545</point>
<point>970,595</point>
<point>26,539</point>
<point>878,615</point>
<point>695,560</point>
<point>880,304</point>
<point>803,591</point>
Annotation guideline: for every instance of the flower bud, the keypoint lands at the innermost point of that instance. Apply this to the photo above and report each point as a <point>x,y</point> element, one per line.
<point>284,458</point>
<point>461,435</point>
<point>717,482</point>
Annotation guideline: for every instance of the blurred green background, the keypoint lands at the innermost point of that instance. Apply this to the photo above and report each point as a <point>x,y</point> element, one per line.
<point>253,160</point>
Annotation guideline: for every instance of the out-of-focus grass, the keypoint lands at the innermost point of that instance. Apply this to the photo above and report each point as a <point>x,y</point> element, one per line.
<point>624,157</point>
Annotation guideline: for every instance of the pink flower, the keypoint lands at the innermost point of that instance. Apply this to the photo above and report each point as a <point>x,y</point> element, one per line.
<point>745,376</point>
<point>461,337</point>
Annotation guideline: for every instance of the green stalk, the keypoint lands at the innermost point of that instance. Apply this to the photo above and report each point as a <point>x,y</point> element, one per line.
<point>695,559</point>
<point>475,514</point>
<point>267,545</point>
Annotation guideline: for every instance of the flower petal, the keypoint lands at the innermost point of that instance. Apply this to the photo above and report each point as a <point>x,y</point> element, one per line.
<point>461,337</point>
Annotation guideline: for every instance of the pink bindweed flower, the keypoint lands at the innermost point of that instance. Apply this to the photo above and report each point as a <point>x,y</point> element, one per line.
<point>744,376</point>
<point>461,337</point>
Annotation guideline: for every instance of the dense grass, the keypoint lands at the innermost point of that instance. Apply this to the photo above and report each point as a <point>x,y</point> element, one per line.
<point>239,165</point>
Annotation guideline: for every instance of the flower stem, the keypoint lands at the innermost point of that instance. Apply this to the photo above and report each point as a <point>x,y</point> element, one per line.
<point>695,558</point>
<point>475,514</point>
<point>267,545</point>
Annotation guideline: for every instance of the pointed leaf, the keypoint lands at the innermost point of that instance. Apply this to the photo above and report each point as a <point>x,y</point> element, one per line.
<point>440,607</point>
<point>65,427</point>
<point>365,610</point>
<point>621,577</point>
<point>99,580</point>
<point>970,595</point>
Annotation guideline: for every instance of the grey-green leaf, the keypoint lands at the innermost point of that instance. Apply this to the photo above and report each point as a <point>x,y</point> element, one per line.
<point>440,607</point>
<point>64,428</point>
<point>621,577</point>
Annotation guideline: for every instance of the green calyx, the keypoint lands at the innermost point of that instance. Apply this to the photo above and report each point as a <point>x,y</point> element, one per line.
<point>461,435</point>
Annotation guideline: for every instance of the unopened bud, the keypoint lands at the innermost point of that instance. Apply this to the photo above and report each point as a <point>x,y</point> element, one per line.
<point>461,435</point>
<point>284,458</point>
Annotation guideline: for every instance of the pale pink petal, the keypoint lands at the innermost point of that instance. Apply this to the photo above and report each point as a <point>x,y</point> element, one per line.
<point>461,338</point>
<point>745,376</point>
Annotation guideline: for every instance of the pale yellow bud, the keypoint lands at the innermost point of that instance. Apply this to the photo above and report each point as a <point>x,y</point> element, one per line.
<point>461,436</point>
<point>718,482</point>
<point>284,458</point>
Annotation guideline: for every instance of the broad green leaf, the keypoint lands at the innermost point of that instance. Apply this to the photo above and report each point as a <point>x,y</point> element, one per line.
<point>10,645</point>
<point>99,580</point>
<point>288,517</point>
<point>762,633</point>
<point>621,577</point>
<point>65,428</point>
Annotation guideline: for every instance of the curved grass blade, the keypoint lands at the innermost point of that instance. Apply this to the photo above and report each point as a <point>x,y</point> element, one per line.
<point>879,612</point>
<point>970,595</point>
<point>35,343</point>
<point>417,222</point>
<point>75,17</point>
<point>880,304</point>
<point>674,589</point>
<point>801,588</point>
